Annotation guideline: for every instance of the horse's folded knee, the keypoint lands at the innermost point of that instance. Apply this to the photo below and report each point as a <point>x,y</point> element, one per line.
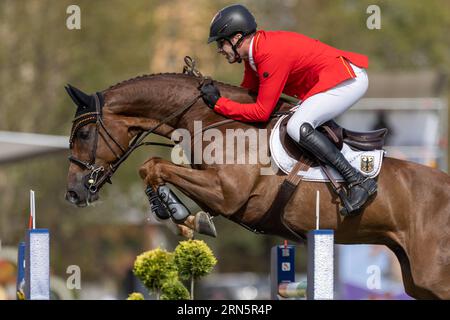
<point>143,172</point>
<point>151,170</point>
<point>152,161</point>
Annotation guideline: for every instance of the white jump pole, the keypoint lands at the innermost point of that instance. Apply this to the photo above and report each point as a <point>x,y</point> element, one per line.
<point>320,269</point>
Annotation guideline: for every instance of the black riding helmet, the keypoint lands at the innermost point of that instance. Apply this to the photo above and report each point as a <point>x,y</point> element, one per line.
<point>231,20</point>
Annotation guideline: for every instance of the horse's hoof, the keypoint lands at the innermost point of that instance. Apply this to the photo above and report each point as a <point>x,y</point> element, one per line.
<point>204,224</point>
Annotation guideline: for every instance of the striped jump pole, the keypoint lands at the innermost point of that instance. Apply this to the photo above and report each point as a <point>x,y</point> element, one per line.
<point>33,277</point>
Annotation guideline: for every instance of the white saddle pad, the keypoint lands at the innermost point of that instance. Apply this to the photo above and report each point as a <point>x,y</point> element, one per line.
<point>367,162</point>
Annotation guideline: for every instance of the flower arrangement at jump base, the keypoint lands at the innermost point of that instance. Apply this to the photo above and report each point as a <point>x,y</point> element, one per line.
<point>162,271</point>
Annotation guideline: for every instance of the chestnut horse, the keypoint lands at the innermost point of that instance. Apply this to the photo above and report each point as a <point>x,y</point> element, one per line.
<point>410,213</point>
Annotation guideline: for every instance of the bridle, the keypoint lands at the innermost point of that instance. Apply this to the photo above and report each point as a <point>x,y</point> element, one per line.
<point>98,175</point>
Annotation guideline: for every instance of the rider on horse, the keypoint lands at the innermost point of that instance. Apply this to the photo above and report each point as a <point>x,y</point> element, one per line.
<point>327,80</point>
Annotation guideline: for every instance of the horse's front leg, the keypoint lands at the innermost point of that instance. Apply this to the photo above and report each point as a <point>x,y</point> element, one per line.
<point>165,204</point>
<point>214,189</point>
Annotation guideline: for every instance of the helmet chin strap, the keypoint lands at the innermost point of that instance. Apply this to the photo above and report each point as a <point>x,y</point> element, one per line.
<point>236,54</point>
<point>235,46</point>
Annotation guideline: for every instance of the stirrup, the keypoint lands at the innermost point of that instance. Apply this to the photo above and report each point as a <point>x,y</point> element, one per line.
<point>348,209</point>
<point>357,183</point>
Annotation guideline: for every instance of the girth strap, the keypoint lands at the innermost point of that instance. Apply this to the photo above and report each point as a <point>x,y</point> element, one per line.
<point>285,192</point>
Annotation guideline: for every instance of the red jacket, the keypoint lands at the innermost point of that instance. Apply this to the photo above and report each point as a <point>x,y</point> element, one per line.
<point>291,63</point>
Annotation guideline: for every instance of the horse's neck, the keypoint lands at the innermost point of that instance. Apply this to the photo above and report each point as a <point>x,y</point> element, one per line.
<point>156,99</point>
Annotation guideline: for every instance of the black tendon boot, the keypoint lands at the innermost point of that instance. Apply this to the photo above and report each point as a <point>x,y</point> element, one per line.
<point>202,223</point>
<point>156,205</point>
<point>360,187</point>
<point>177,209</point>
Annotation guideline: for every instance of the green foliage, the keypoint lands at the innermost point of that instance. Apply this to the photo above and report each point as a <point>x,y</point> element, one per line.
<point>160,270</point>
<point>194,259</point>
<point>135,296</point>
<point>173,289</point>
<point>154,267</point>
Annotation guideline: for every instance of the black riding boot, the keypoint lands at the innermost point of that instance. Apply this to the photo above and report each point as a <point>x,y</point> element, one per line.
<point>360,187</point>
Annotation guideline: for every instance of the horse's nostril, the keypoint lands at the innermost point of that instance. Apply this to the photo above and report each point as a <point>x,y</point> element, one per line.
<point>72,197</point>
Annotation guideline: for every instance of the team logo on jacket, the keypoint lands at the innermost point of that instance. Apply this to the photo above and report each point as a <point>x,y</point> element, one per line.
<point>367,163</point>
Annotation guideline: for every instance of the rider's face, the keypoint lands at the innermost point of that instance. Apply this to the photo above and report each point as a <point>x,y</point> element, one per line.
<point>224,47</point>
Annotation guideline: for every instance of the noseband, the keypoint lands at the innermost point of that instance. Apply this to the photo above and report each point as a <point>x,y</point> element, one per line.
<point>97,175</point>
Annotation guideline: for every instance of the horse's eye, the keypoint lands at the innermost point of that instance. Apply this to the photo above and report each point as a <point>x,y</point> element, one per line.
<point>83,134</point>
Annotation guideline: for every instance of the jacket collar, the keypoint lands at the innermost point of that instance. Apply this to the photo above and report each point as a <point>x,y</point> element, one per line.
<point>250,54</point>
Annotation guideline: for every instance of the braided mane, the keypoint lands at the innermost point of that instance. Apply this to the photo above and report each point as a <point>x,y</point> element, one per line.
<point>166,74</point>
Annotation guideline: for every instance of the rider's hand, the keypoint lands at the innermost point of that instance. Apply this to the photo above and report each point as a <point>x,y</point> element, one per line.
<point>210,94</point>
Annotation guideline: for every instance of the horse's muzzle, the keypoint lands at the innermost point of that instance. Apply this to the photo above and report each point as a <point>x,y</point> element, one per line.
<point>80,198</point>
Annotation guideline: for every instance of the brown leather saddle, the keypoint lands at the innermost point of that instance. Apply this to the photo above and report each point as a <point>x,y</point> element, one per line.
<point>364,141</point>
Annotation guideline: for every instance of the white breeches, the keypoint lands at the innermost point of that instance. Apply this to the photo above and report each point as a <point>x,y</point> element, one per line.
<point>327,105</point>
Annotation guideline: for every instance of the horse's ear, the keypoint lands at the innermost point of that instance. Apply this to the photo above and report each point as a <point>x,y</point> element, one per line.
<point>81,99</point>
